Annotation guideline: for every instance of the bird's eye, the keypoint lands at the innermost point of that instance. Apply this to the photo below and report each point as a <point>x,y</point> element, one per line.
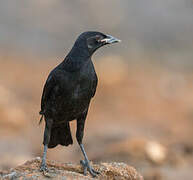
<point>98,38</point>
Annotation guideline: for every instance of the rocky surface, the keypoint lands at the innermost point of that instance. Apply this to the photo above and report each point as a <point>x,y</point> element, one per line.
<point>68,171</point>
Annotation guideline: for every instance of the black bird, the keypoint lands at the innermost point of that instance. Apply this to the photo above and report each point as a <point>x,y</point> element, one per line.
<point>67,94</point>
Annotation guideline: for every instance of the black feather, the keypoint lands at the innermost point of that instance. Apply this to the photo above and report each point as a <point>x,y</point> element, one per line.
<point>68,90</point>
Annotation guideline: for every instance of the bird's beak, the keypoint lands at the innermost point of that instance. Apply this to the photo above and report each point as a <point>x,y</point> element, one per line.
<point>110,39</point>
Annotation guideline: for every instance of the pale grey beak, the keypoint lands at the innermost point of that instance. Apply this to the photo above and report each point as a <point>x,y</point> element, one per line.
<point>110,39</point>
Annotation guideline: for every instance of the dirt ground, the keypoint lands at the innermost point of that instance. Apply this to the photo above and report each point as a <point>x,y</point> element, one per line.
<point>141,115</point>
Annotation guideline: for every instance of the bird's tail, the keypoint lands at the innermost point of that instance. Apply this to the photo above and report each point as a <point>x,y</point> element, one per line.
<point>60,135</point>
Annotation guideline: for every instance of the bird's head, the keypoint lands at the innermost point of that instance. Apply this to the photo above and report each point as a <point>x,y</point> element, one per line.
<point>92,40</point>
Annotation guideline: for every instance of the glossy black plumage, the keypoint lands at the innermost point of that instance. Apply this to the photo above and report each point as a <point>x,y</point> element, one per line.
<point>67,94</point>
<point>68,91</point>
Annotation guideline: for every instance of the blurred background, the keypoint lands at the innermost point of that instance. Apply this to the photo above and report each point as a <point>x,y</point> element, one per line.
<point>142,113</point>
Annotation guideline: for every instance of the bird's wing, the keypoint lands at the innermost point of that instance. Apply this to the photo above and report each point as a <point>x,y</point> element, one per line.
<point>94,85</point>
<point>48,87</point>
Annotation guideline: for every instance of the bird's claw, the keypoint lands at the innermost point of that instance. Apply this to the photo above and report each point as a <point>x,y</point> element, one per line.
<point>43,168</point>
<point>87,167</point>
<point>45,171</point>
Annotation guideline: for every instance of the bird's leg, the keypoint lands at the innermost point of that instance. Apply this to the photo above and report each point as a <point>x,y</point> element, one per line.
<point>43,166</point>
<point>79,135</point>
<point>86,164</point>
<point>47,133</point>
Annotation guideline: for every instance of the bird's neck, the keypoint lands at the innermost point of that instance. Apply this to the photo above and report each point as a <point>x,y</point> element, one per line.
<point>75,59</point>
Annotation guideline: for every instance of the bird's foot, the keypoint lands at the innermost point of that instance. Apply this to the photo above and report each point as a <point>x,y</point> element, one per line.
<point>45,170</point>
<point>87,167</point>
<point>43,167</point>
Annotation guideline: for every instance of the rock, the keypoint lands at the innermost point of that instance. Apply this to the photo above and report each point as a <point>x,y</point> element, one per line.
<point>68,171</point>
<point>156,152</point>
